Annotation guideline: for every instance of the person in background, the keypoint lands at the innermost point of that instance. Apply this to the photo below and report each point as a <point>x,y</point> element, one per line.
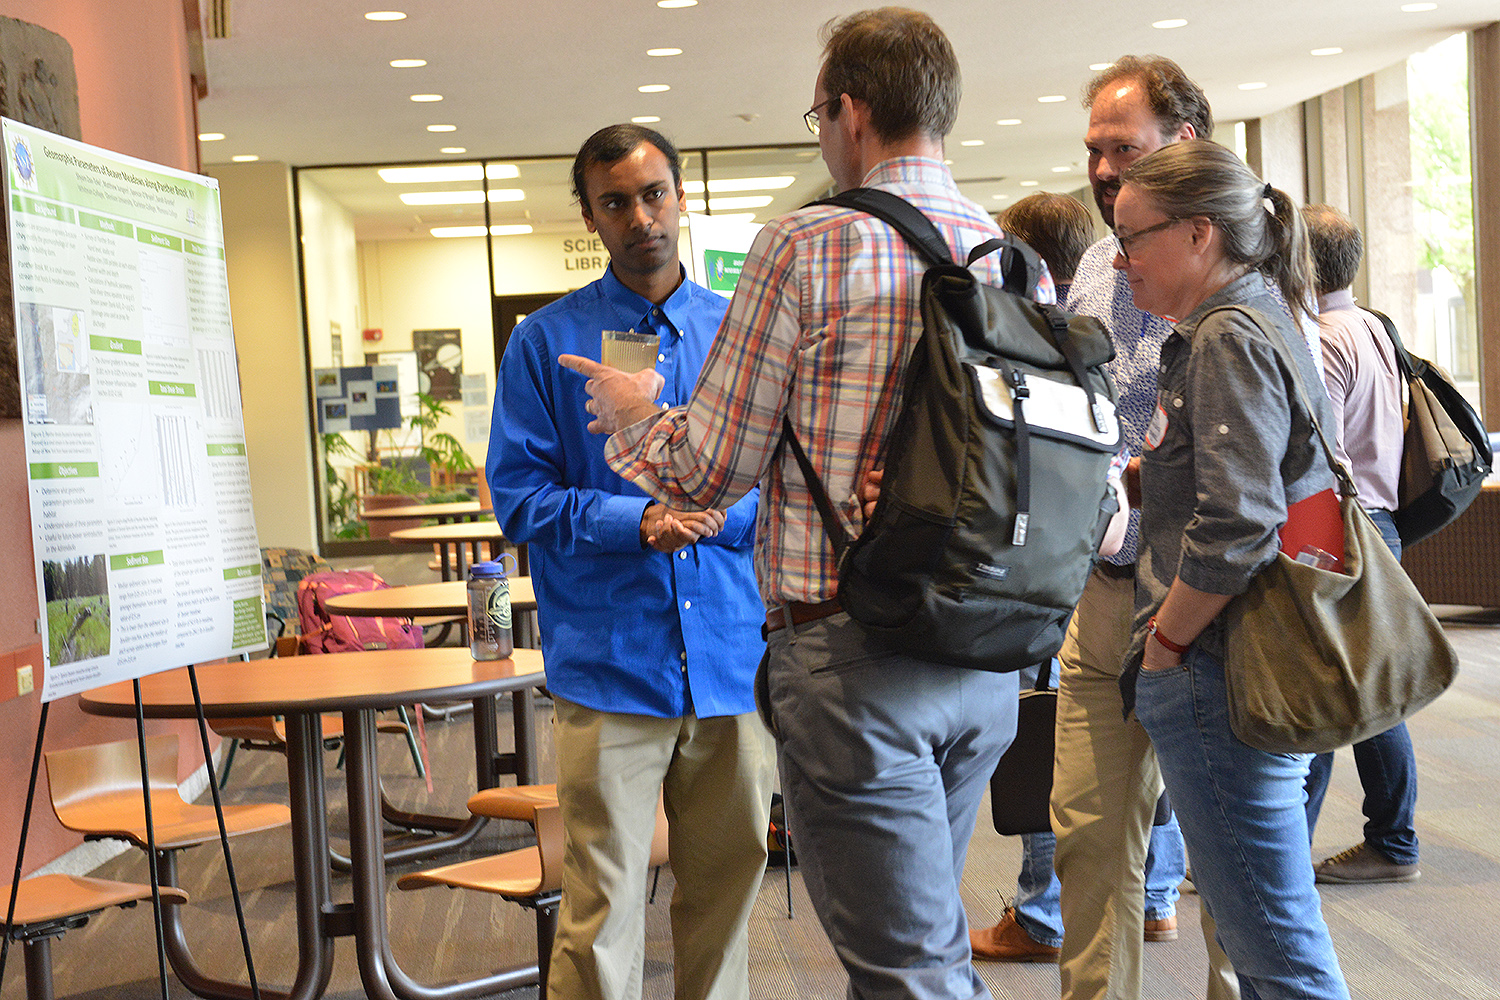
<point>884,757</point>
<point>1364,388</point>
<point>1231,445</point>
<point>1106,782</point>
<point>1060,229</point>
<point>649,618</point>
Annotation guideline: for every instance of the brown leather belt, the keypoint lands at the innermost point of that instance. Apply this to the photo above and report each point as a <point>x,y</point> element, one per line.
<point>1115,571</point>
<point>800,613</point>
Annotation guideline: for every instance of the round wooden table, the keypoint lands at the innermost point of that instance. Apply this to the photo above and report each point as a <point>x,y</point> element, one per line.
<point>445,600</point>
<point>358,685</point>
<point>460,510</point>
<point>465,537</point>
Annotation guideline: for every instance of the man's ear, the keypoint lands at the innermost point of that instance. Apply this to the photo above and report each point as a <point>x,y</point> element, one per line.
<point>1185,131</point>
<point>1203,230</point>
<point>588,218</point>
<point>682,197</point>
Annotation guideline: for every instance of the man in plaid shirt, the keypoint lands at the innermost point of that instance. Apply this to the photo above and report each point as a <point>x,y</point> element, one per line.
<point>884,758</point>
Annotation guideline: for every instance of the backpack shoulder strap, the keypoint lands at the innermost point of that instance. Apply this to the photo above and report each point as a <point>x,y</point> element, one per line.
<point>1403,357</point>
<point>901,215</point>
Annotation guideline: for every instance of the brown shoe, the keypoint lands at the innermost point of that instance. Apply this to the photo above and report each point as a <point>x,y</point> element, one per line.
<point>1008,941</point>
<point>1363,863</point>
<point>1164,929</point>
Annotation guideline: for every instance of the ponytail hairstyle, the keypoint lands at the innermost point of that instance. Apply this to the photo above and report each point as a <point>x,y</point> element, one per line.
<point>1196,177</point>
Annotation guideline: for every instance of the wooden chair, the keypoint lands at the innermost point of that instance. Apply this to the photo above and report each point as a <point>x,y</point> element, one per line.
<point>531,876</point>
<point>96,791</point>
<point>48,906</point>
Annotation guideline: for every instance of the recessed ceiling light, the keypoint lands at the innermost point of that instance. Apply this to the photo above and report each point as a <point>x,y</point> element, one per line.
<point>210,136</point>
<point>669,4</point>
<point>972,142</point>
<point>720,185</point>
<point>1097,67</point>
<point>245,158</point>
<point>1030,184</point>
<point>449,232</point>
<point>385,15</point>
<point>442,128</point>
<point>1009,121</point>
<point>999,197</point>
<point>645,119</point>
<point>663,52</point>
<point>1171,22</point>
<point>461,197</point>
<point>407,63</point>
<point>426,98</point>
<point>654,88</point>
<point>1417,8</point>
<point>1257,85</point>
<point>447,174</point>
<point>1061,170</point>
<point>1051,99</point>
<point>1332,50</point>
<point>454,149</point>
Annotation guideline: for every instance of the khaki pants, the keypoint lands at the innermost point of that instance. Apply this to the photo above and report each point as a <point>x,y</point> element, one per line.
<point>716,777</point>
<point>1104,791</point>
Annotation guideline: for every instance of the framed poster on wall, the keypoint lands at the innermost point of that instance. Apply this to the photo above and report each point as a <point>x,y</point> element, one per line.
<point>440,362</point>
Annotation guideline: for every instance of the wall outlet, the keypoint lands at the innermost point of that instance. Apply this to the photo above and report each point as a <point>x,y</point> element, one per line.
<point>23,680</point>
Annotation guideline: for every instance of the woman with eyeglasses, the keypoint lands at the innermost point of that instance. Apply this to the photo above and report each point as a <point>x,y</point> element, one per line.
<point>1231,445</point>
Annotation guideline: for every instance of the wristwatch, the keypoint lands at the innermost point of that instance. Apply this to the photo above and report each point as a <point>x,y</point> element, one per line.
<point>1156,634</point>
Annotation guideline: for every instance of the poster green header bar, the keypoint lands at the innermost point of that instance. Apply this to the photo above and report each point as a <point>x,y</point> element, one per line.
<point>64,470</point>
<point>136,560</point>
<point>105,225</point>
<point>243,572</point>
<point>44,209</point>
<point>115,345</point>
<point>204,249</point>
<point>179,389</point>
<point>164,240</point>
<point>226,449</point>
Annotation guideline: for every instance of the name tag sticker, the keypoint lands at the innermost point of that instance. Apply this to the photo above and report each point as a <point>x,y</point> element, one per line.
<point>1157,429</point>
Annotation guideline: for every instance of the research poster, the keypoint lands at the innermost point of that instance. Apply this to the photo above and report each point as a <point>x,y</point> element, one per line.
<point>141,520</point>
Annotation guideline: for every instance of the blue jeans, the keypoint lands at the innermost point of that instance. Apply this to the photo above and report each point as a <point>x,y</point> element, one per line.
<point>1387,767</point>
<point>1038,892</point>
<point>1243,819</point>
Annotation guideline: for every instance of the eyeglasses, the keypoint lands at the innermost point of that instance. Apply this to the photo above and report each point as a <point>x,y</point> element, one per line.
<point>810,116</point>
<point>1125,241</point>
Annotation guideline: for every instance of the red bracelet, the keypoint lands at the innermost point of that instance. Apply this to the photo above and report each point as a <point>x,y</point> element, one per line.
<point>1156,633</point>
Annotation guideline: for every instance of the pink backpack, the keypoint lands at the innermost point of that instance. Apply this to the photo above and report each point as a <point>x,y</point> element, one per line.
<point>326,633</point>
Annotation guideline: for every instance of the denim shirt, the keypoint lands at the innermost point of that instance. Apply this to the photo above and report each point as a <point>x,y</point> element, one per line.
<point>1230,446</point>
<point>624,629</point>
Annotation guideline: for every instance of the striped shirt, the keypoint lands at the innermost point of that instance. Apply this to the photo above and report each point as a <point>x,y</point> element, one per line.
<point>823,323</point>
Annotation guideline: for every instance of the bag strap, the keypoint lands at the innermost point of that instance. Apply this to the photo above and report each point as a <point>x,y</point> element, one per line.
<point>838,535</point>
<point>1345,480</point>
<point>918,231</point>
<point>1404,358</point>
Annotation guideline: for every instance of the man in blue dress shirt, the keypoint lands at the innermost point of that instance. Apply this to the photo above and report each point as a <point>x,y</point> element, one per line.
<point>650,617</point>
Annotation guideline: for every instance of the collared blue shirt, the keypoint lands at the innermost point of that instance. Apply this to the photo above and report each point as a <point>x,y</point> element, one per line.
<point>624,629</point>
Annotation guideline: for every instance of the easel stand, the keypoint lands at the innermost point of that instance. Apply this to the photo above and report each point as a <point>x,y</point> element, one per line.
<point>37,936</point>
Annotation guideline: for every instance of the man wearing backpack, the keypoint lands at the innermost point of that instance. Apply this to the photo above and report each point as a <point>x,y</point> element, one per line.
<point>649,620</point>
<point>884,756</point>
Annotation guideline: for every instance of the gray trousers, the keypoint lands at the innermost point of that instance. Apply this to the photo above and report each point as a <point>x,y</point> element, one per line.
<point>884,760</point>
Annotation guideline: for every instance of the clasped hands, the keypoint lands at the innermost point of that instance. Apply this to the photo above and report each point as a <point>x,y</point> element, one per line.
<point>667,529</point>
<point>616,399</point>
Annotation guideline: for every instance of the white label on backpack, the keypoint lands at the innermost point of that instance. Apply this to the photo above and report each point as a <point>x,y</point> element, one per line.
<point>1057,406</point>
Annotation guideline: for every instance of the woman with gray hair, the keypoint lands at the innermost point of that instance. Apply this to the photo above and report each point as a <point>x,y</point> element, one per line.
<point>1230,448</point>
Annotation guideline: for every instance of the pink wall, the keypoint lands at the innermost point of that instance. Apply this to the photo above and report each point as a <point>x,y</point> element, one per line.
<point>135,96</point>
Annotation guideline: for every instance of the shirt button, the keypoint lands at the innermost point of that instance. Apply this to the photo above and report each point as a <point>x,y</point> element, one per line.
<point>661,357</point>
<point>682,554</point>
<point>1177,402</point>
<point>687,604</point>
<point>683,657</point>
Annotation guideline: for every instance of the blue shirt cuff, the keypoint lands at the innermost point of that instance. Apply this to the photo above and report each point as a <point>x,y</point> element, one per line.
<point>620,522</point>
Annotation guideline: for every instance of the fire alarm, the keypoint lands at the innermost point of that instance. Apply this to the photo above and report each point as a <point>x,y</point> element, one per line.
<point>373,334</point>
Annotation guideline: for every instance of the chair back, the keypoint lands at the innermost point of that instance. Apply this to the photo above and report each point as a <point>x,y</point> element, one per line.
<point>80,776</point>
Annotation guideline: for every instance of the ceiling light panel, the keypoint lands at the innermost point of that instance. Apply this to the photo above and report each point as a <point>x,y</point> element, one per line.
<point>407,63</point>
<point>461,197</point>
<point>662,53</point>
<point>447,174</point>
<point>385,15</point>
<point>452,232</point>
<point>723,184</point>
<point>729,204</point>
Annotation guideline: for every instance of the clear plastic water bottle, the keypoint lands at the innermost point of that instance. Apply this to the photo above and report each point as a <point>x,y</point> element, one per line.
<point>489,612</point>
